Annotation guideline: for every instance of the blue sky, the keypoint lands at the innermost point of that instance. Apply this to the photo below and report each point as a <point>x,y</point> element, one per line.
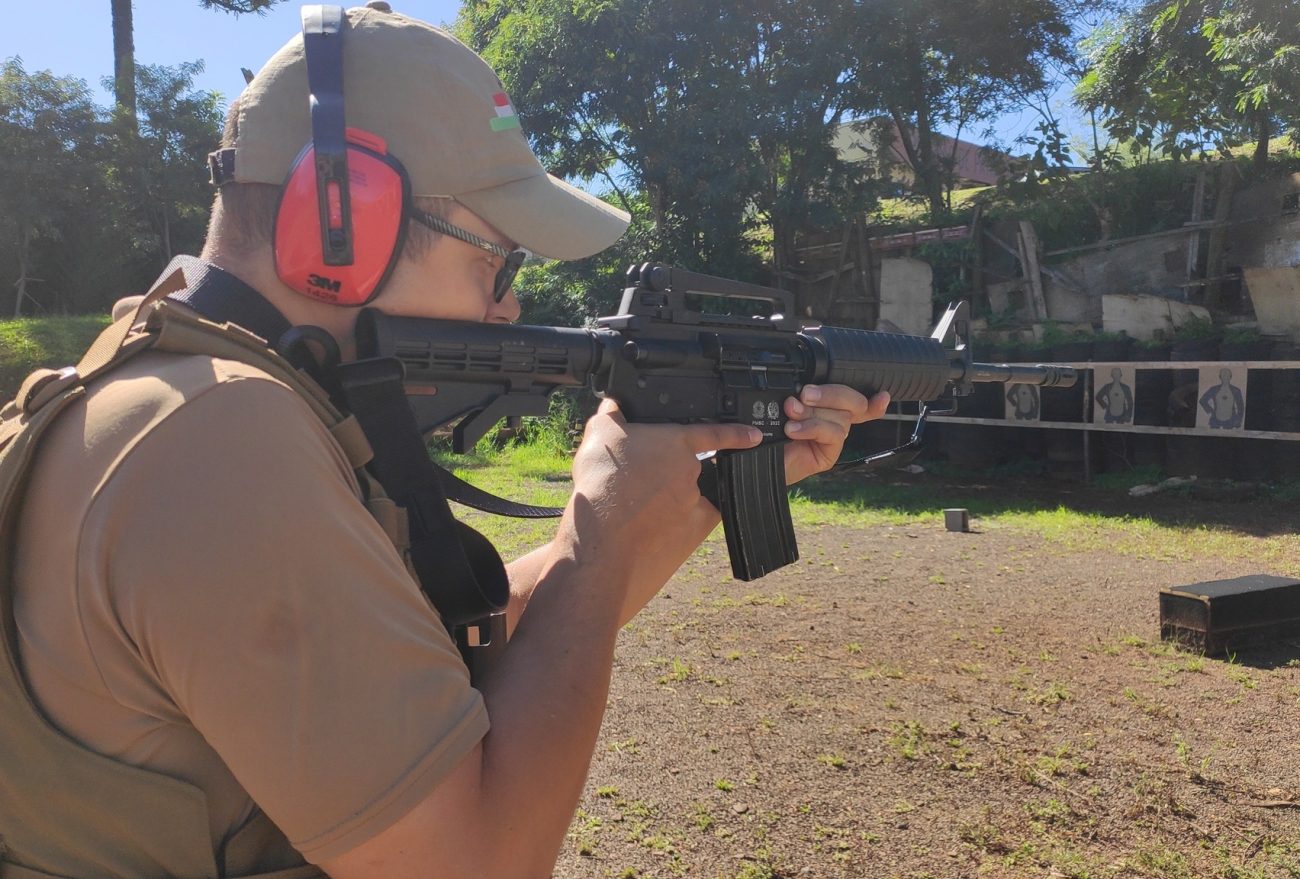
<point>74,38</point>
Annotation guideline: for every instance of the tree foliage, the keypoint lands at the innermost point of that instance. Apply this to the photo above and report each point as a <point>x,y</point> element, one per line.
<point>160,172</point>
<point>935,64</point>
<point>1190,76</point>
<point>47,133</point>
<point>723,115</point>
<point>720,114</point>
<point>89,205</point>
<point>240,7</point>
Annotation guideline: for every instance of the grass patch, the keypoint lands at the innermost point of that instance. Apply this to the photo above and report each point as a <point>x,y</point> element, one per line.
<point>539,474</point>
<point>31,343</point>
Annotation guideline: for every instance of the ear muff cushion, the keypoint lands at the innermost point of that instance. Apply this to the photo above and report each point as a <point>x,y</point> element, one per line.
<point>379,193</point>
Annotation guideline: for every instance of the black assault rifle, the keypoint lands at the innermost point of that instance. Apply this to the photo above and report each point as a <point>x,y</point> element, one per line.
<point>666,361</point>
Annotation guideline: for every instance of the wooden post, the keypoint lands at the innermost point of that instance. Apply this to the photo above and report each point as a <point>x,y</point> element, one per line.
<point>1087,376</point>
<point>1194,238</point>
<point>1028,244</point>
<point>834,294</point>
<point>976,288</point>
<point>1227,185</point>
<point>867,267</point>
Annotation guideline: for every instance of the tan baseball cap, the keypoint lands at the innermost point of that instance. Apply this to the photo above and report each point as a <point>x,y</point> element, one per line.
<point>443,113</point>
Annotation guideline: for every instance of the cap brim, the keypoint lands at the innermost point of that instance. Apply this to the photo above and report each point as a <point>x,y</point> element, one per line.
<point>548,217</point>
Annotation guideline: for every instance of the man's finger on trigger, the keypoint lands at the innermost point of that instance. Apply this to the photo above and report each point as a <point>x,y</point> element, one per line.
<point>609,406</point>
<point>709,437</point>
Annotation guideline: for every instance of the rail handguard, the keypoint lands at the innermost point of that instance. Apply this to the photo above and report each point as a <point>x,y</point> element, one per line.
<point>665,361</point>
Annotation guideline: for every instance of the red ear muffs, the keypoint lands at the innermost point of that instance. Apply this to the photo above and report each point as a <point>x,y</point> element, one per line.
<point>379,194</point>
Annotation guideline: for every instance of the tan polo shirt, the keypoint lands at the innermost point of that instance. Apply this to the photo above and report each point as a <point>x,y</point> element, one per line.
<point>200,592</point>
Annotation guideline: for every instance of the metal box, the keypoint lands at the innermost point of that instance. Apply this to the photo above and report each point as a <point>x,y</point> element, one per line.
<point>1225,615</point>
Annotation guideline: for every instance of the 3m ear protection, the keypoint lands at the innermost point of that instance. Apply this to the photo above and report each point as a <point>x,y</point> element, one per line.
<point>341,221</point>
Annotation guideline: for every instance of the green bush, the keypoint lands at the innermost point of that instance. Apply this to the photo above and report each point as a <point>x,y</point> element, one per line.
<point>1241,335</point>
<point>1197,329</point>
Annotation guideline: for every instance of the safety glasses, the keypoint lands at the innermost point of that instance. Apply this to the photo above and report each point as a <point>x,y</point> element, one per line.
<point>513,258</point>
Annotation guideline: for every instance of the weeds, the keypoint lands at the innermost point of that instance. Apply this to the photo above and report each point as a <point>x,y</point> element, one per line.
<point>907,739</point>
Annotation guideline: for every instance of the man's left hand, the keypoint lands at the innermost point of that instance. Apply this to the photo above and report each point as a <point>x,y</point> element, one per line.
<point>820,418</point>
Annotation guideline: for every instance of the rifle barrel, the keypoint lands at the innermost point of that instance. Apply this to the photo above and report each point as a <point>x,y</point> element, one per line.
<point>1047,375</point>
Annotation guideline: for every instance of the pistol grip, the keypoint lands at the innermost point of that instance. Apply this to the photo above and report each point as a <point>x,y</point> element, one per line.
<point>748,488</point>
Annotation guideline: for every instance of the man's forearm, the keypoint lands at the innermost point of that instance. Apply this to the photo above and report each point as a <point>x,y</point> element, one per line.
<point>524,572</point>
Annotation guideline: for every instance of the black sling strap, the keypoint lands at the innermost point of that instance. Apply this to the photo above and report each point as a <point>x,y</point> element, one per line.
<point>458,569</point>
<point>461,574</point>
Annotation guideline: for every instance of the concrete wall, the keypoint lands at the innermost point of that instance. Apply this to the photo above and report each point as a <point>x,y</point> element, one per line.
<point>1275,294</point>
<point>1264,243</point>
<point>1153,265</point>
<point>906,293</point>
<point>1075,288</point>
<point>1141,316</point>
<point>1265,231</point>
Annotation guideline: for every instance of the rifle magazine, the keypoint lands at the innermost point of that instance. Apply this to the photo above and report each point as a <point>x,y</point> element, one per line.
<point>755,510</point>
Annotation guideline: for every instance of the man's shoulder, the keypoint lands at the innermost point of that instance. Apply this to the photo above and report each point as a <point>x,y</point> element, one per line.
<point>221,397</point>
<point>169,379</point>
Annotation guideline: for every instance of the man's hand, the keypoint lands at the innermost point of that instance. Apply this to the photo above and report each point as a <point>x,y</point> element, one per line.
<point>636,505</point>
<point>820,418</point>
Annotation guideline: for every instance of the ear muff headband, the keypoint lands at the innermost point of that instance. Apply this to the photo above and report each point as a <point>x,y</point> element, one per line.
<point>341,222</point>
<point>322,44</point>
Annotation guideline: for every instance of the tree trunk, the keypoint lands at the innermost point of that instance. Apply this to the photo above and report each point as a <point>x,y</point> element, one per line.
<point>124,58</point>
<point>1263,128</point>
<point>921,156</point>
<point>24,250</point>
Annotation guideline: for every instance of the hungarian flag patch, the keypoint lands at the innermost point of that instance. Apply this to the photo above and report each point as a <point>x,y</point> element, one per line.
<point>505,117</point>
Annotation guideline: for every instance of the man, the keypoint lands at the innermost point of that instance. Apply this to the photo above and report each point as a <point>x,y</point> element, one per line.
<point>200,592</point>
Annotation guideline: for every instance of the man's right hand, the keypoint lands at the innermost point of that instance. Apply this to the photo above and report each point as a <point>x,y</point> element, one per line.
<point>636,510</point>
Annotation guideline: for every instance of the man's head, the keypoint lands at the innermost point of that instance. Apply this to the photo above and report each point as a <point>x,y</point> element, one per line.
<point>427,101</point>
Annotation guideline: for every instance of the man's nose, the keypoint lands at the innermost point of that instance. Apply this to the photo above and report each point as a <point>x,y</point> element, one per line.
<point>507,310</point>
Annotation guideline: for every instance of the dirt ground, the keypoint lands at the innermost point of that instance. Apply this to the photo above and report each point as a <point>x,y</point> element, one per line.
<point>909,702</point>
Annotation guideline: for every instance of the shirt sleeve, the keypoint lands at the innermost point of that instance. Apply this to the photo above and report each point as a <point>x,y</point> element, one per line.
<point>276,615</point>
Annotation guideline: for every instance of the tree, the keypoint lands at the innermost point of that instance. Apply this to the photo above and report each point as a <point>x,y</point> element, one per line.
<point>123,24</point>
<point>1188,76</point>
<point>720,115</point>
<point>239,7</point>
<point>931,64</point>
<point>47,128</point>
<point>160,171</point>
<point>1255,44</point>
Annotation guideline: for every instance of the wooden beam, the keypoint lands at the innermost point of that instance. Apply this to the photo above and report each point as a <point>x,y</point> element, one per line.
<point>1028,241</point>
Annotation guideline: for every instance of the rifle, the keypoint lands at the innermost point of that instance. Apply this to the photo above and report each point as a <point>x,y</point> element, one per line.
<point>666,361</point>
